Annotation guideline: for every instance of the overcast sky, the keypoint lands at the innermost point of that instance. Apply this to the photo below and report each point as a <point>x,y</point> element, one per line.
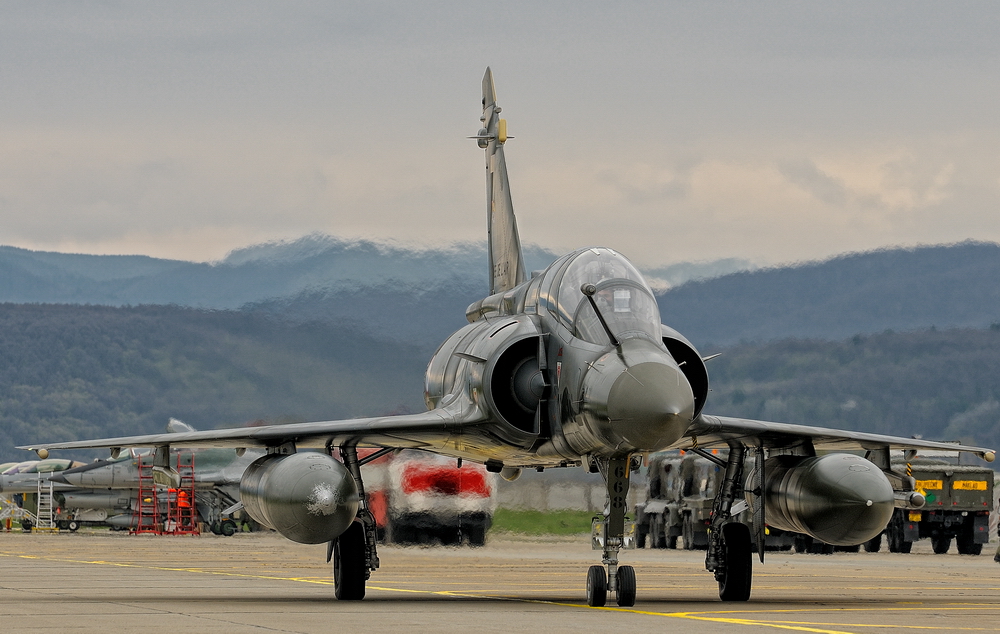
<point>670,131</point>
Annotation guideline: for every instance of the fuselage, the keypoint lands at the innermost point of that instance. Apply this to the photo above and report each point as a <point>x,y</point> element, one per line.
<point>554,382</point>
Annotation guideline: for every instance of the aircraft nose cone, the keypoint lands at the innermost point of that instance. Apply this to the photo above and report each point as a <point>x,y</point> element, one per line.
<point>649,402</point>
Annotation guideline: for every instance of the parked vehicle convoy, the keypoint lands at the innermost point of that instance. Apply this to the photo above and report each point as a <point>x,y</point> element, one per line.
<point>681,491</point>
<point>959,499</point>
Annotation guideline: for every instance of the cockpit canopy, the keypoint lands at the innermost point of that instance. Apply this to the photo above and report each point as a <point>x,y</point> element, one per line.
<point>625,300</point>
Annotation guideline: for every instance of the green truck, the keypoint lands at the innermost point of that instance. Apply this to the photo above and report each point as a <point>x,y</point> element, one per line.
<point>959,501</point>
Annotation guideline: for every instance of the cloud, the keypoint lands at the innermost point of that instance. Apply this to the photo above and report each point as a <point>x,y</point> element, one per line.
<point>671,130</point>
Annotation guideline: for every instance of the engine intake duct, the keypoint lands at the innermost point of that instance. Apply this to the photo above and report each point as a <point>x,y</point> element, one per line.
<point>309,498</point>
<point>840,499</point>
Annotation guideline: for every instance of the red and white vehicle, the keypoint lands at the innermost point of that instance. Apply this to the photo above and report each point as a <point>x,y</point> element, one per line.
<point>419,498</point>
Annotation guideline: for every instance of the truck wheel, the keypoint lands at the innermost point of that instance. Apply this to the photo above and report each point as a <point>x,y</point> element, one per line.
<point>658,532</point>
<point>802,543</point>
<point>640,534</point>
<point>477,536</point>
<point>874,544</point>
<point>941,544</point>
<point>687,530</point>
<point>968,546</point>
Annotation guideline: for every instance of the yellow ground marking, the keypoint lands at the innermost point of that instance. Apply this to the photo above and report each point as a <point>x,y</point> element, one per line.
<point>715,616</point>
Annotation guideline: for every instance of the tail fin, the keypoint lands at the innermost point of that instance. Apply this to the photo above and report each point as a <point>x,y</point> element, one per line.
<point>506,261</point>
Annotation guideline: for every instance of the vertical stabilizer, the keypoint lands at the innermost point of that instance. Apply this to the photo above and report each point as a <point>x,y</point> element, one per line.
<point>506,261</point>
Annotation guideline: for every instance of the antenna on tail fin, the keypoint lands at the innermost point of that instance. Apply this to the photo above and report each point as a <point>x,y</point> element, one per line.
<point>506,261</point>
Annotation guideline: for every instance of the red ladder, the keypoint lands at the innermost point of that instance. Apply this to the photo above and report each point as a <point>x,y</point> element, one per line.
<point>146,512</point>
<point>182,511</point>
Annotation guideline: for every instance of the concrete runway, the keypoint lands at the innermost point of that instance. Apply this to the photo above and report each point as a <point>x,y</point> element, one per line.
<point>110,582</point>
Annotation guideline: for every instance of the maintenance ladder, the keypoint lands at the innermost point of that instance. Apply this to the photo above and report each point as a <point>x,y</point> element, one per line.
<point>43,513</point>
<point>146,513</point>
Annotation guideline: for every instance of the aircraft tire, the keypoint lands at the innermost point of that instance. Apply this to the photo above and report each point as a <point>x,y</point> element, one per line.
<point>227,528</point>
<point>73,526</point>
<point>597,587</point>
<point>349,564</point>
<point>625,586</point>
<point>737,574</point>
<point>941,544</point>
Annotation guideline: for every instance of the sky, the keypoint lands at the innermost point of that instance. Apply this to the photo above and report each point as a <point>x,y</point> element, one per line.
<point>670,131</point>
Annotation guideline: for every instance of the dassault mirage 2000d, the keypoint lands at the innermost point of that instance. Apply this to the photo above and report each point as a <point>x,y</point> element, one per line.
<point>566,367</point>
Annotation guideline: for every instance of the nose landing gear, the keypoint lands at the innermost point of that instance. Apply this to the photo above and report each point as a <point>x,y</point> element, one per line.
<point>617,579</point>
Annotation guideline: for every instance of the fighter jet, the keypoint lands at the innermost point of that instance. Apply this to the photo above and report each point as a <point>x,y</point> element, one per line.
<point>566,367</point>
<point>105,491</point>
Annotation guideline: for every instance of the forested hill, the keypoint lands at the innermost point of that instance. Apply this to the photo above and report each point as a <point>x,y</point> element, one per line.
<point>942,385</point>
<point>78,372</point>
<point>899,289</point>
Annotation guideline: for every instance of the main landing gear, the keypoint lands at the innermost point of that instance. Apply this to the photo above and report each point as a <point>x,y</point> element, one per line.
<point>354,553</point>
<point>730,550</point>
<point>611,577</point>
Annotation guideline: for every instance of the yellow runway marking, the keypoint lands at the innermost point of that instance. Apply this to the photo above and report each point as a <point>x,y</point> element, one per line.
<point>716,616</point>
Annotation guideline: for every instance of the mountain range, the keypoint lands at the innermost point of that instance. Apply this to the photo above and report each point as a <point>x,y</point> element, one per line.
<point>420,295</point>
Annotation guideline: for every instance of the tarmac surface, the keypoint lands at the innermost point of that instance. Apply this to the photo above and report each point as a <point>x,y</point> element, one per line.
<point>111,582</point>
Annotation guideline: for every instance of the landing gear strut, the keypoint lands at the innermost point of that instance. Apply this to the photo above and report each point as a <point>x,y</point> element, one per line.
<point>354,553</point>
<point>617,579</point>
<point>730,554</point>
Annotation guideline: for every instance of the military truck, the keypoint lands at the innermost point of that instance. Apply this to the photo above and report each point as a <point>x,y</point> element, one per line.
<point>680,495</point>
<point>681,492</point>
<point>959,501</point>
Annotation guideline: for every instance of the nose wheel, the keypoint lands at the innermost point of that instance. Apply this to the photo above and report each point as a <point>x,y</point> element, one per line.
<point>597,586</point>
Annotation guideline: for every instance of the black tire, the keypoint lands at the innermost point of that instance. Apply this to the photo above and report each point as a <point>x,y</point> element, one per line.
<point>671,542</point>
<point>941,544</point>
<point>848,549</point>
<point>641,530</point>
<point>737,561</point>
<point>26,526</point>
<point>967,546</point>
<point>227,528</point>
<point>625,586</point>
<point>802,543</point>
<point>658,534</point>
<point>73,526</point>
<point>597,586</point>
<point>874,544</point>
<point>687,528</point>
<point>215,528</point>
<point>349,568</point>
<point>477,535</point>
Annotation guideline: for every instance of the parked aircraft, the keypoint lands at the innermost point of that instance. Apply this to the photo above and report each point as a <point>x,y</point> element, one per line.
<point>105,491</point>
<point>566,367</point>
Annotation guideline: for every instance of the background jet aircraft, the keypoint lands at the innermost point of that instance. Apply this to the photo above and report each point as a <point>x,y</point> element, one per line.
<point>105,491</point>
<point>569,368</point>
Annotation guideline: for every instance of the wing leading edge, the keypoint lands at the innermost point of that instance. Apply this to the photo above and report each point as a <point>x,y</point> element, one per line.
<point>709,431</point>
<point>412,430</point>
